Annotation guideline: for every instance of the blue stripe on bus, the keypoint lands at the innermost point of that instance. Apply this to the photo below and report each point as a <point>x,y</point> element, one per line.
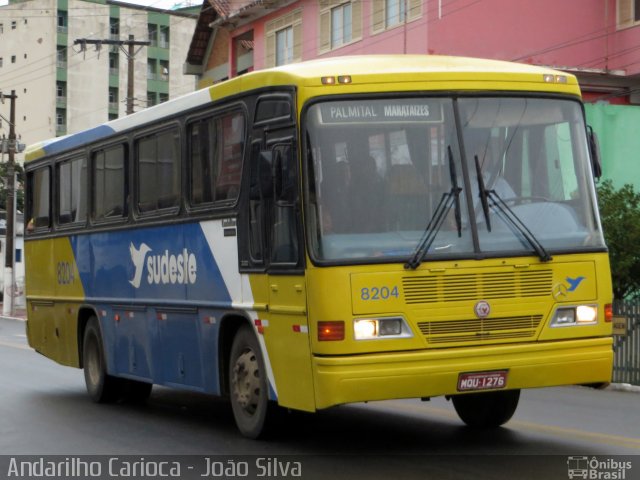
<point>171,282</point>
<point>78,139</point>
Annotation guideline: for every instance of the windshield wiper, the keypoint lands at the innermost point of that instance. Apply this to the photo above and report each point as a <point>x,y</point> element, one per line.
<point>447,200</point>
<point>483,193</point>
<point>455,189</point>
<point>509,215</point>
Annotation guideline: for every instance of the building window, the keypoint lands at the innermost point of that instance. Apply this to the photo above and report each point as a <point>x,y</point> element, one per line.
<point>163,97</point>
<point>164,37</point>
<point>340,23</point>
<point>62,21</point>
<point>114,63</point>
<point>61,118</point>
<point>1,28</point>
<point>394,12</point>
<point>284,39</point>
<point>628,13</point>
<point>61,92</point>
<point>61,56</point>
<point>13,25</point>
<point>113,98</point>
<point>151,99</point>
<point>0,62</point>
<point>152,68</point>
<point>164,70</point>
<point>153,34</point>
<point>284,46</point>
<point>391,13</point>
<point>114,28</point>
<point>13,59</point>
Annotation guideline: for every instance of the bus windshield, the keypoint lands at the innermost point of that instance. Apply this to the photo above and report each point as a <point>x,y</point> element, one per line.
<point>482,176</point>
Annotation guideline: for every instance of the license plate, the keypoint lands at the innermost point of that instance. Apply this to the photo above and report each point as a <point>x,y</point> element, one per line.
<point>492,380</point>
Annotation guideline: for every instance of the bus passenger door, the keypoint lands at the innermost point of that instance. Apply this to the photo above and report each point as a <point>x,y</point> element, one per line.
<point>275,240</point>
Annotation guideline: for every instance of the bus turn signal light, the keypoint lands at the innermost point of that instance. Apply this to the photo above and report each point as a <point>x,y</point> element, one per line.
<point>608,313</point>
<point>330,331</point>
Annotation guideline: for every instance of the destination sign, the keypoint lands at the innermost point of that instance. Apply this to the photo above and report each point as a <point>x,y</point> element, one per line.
<point>382,111</point>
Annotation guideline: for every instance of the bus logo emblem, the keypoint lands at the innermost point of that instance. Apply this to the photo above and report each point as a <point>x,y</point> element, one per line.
<point>164,269</point>
<point>137,257</point>
<point>482,309</point>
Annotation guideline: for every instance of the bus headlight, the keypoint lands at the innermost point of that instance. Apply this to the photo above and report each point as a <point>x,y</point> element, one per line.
<point>576,315</point>
<point>376,328</point>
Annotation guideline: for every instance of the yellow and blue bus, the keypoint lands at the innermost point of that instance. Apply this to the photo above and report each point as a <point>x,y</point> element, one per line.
<point>340,230</point>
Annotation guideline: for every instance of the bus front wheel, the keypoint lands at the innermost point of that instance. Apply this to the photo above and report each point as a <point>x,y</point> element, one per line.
<point>248,384</point>
<point>102,387</point>
<point>486,410</point>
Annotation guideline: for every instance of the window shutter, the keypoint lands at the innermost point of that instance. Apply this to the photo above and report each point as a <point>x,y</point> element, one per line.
<point>415,9</point>
<point>356,19</point>
<point>297,42</point>
<point>325,31</point>
<point>625,12</point>
<point>378,15</point>
<point>270,60</point>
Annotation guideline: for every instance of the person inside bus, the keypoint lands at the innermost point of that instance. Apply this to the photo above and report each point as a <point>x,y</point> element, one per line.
<point>365,194</point>
<point>336,216</point>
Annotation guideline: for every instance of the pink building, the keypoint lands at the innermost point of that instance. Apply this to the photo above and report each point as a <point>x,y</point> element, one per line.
<point>595,39</point>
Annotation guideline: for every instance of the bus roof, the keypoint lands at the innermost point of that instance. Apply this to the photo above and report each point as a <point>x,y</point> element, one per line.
<point>362,69</point>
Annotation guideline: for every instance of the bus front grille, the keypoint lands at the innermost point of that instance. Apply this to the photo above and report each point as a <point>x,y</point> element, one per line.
<point>480,329</point>
<point>475,286</point>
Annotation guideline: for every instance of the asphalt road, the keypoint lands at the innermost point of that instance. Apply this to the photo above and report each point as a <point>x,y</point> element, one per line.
<point>44,410</point>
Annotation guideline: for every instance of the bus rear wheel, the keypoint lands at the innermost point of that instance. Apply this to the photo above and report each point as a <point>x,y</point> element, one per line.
<point>248,384</point>
<point>102,387</point>
<point>486,410</point>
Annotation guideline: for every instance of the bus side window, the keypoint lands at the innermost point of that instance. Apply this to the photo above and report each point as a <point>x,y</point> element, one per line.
<point>259,183</point>
<point>158,171</point>
<point>39,200</point>
<point>284,238</point>
<point>109,186</point>
<point>72,191</point>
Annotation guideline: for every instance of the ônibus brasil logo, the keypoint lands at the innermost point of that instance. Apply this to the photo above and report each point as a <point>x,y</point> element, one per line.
<point>166,268</point>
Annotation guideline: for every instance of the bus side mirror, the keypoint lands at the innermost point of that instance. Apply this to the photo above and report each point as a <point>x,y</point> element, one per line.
<point>594,151</point>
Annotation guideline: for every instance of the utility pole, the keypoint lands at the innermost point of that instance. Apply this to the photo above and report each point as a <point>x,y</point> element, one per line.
<point>130,80</point>
<point>7,305</point>
<point>130,53</point>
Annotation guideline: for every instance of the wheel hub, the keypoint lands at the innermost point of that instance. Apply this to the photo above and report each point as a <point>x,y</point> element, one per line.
<point>246,381</point>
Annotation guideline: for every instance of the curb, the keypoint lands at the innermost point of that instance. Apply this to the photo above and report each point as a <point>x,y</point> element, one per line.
<point>624,387</point>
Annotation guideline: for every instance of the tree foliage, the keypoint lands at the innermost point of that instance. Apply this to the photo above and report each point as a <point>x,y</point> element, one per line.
<point>19,186</point>
<point>620,213</point>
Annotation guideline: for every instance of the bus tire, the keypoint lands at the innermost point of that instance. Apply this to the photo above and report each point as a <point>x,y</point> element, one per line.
<point>488,409</point>
<point>102,387</point>
<point>248,388</point>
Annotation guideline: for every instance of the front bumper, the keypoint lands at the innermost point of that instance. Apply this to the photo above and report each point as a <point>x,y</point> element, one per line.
<point>417,374</point>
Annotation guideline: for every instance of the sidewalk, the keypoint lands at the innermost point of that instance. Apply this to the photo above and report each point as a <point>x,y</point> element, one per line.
<point>19,313</point>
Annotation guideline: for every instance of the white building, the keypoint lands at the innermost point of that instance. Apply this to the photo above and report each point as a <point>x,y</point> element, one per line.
<point>63,88</point>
